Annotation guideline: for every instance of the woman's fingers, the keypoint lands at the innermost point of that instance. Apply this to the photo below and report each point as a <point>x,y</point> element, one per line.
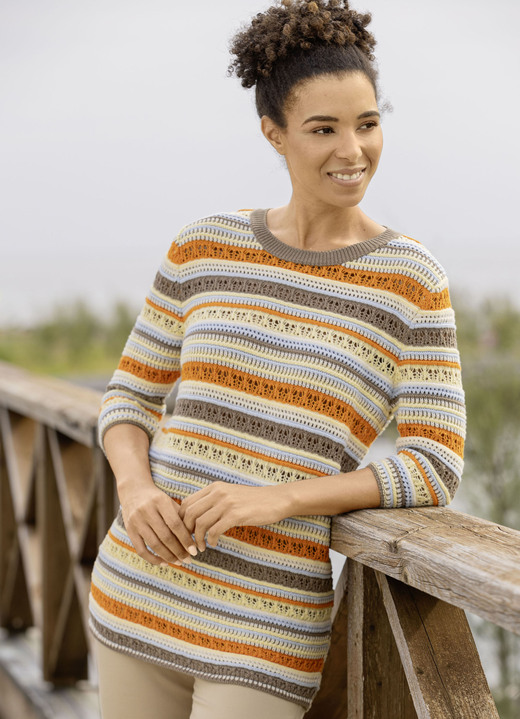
<point>140,547</point>
<point>209,513</point>
<point>156,529</point>
<point>176,533</point>
<point>213,510</point>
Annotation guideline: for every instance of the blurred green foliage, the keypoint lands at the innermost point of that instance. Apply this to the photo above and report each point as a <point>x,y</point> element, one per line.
<point>73,341</point>
<point>489,341</point>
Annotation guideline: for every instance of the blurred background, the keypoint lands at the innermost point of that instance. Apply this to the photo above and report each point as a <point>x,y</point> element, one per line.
<point>118,125</point>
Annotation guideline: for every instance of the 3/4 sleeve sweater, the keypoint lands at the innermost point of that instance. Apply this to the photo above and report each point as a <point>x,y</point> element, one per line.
<point>291,363</point>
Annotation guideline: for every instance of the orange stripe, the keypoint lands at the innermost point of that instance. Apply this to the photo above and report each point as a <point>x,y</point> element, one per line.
<point>282,392</point>
<point>424,476</point>
<point>277,542</point>
<point>430,363</point>
<point>170,313</point>
<point>144,371</point>
<point>159,624</point>
<point>437,434</point>
<point>395,283</point>
<point>242,450</point>
<point>125,399</point>
<point>297,318</point>
<point>233,587</point>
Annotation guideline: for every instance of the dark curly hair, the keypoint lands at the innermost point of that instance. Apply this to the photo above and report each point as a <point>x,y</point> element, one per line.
<point>298,39</point>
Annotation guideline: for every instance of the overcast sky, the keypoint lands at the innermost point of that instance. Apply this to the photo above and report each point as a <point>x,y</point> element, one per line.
<point>118,125</point>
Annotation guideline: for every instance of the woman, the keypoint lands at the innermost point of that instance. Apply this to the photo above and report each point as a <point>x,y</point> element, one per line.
<point>298,333</point>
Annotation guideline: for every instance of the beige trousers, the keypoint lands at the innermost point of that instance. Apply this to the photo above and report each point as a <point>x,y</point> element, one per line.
<point>131,688</point>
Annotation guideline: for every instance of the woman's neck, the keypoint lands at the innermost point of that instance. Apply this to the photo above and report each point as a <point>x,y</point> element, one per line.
<point>308,228</point>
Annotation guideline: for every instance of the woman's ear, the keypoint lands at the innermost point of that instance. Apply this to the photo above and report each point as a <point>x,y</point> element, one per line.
<point>273,134</point>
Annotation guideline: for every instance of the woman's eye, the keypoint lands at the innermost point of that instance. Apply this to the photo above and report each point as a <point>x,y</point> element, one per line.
<point>369,125</point>
<point>323,131</point>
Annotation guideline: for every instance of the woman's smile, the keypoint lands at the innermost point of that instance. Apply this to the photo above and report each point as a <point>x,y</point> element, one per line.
<point>347,178</point>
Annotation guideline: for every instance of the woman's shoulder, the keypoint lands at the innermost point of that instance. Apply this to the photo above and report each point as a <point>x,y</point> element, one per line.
<point>217,223</point>
<point>415,259</point>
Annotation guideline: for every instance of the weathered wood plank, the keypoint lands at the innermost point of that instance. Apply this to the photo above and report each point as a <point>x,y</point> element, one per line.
<point>17,586</point>
<point>377,685</point>
<point>69,408</point>
<point>438,654</point>
<point>107,502</point>
<point>469,562</point>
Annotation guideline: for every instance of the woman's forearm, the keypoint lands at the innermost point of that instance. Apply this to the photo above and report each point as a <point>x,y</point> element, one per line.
<point>213,510</point>
<point>126,447</point>
<point>335,494</point>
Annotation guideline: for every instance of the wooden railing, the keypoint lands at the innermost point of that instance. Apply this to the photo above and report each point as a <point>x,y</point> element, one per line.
<point>401,645</point>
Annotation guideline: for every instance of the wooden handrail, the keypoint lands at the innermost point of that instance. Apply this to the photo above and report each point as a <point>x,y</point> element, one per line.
<point>57,500</point>
<point>463,560</point>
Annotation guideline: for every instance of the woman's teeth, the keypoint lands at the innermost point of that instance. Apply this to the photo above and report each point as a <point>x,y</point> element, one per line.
<point>340,176</point>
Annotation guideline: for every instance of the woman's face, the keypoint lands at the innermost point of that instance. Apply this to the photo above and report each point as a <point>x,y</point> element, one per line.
<point>333,139</point>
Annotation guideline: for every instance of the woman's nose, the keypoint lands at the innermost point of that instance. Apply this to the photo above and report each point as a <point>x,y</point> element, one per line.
<point>348,147</point>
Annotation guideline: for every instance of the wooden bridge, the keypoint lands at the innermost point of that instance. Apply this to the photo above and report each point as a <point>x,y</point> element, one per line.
<point>401,644</point>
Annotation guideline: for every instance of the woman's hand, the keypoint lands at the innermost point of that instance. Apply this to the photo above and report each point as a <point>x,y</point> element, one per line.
<point>210,512</point>
<point>151,517</point>
<point>213,510</point>
<point>152,522</point>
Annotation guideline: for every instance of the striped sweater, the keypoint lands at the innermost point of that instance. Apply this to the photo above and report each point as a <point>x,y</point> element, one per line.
<point>291,363</point>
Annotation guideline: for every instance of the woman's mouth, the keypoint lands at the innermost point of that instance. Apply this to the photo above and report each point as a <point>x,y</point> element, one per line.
<point>347,177</point>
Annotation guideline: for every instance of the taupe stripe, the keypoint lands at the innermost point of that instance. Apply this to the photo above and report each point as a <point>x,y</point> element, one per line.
<point>270,430</point>
<point>214,558</point>
<point>270,575</point>
<point>346,308</point>
<point>218,614</point>
<point>152,399</point>
<point>220,672</point>
<point>348,463</point>
<point>447,476</point>
<point>154,340</point>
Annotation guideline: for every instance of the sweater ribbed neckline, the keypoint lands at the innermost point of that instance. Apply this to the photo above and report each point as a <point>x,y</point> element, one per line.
<point>314,258</point>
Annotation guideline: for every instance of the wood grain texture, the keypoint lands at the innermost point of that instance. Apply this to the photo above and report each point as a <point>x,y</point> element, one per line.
<point>468,562</point>
<point>69,408</point>
<point>438,654</point>
<point>377,685</point>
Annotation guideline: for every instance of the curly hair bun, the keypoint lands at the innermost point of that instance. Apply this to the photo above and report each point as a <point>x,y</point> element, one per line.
<point>296,25</point>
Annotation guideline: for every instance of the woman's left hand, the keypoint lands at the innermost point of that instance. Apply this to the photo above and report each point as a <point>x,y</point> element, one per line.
<point>210,512</point>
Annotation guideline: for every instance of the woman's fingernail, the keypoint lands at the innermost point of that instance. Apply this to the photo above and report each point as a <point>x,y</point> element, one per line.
<point>192,550</point>
<point>164,564</point>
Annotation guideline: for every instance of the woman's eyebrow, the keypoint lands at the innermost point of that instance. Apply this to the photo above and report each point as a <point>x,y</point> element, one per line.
<point>369,113</point>
<point>329,118</point>
<point>320,118</point>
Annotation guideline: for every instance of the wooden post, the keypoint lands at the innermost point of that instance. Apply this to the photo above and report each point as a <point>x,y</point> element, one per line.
<point>438,654</point>
<point>15,606</point>
<point>363,676</point>
<point>377,685</point>
<point>65,648</point>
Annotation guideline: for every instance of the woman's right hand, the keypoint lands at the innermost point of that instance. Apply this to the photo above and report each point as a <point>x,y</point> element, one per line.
<point>151,517</point>
<point>152,522</point>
